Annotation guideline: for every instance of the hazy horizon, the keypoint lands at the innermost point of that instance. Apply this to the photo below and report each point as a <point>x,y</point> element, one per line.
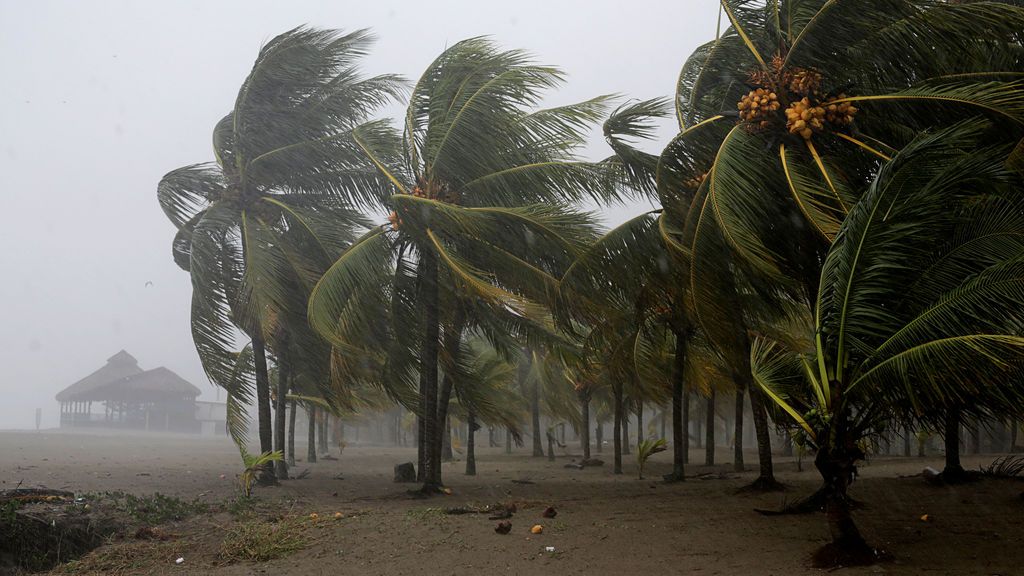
<point>103,98</point>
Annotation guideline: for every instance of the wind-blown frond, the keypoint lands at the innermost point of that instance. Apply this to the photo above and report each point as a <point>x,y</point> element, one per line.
<point>627,126</point>
<point>184,192</point>
<point>901,209</point>
<point>338,305</point>
<point>779,374</point>
<point>239,387</point>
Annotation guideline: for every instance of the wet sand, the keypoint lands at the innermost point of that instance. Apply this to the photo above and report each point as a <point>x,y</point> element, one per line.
<point>606,524</point>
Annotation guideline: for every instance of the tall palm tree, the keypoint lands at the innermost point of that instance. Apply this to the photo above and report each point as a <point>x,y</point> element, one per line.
<point>773,149</point>
<point>918,309</point>
<point>286,159</point>
<point>479,224</point>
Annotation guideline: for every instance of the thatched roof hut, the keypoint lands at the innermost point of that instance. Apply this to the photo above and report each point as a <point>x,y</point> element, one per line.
<point>131,397</point>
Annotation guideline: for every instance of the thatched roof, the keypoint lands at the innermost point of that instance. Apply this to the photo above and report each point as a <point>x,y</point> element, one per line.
<point>122,379</point>
<point>149,384</point>
<point>118,366</point>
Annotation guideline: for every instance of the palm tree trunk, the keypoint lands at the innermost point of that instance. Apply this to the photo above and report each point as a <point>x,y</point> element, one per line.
<point>428,370</point>
<point>709,430</point>
<point>625,428</point>
<point>452,347</point>
<point>599,436</point>
<point>737,458</point>
<point>446,442</point>
<point>311,437</point>
<point>700,424</point>
<point>420,451</point>
<point>616,430</point>
<point>291,434</point>
<point>616,440</point>
<point>259,355</point>
<point>471,444</point>
<point>686,426</point>
<point>906,441</point>
<point>766,471</point>
<point>679,421</point>
<point>524,369</point>
<point>322,421</point>
<point>639,422</point>
<point>951,438</point>
<point>1013,435</point>
<point>396,427</point>
<point>975,434</point>
<point>538,447</point>
<point>584,395</point>
<point>838,468</point>
<point>280,410</point>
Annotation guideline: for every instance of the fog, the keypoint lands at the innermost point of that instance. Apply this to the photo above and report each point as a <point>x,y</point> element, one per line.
<point>100,99</point>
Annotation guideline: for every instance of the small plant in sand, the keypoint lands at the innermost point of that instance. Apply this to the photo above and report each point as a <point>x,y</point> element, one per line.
<point>259,541</point>
<point>1005,467</point>
<point>647,448</point>
<point>150,509</point>
<point>253,465</point>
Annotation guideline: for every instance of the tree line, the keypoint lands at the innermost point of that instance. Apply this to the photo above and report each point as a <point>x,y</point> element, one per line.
<point>838,236</point>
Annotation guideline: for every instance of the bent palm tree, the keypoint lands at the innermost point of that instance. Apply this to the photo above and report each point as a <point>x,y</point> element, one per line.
<point>479,223</point>
<point>661,249</point>
<point>916,309</point>
<point>772,186</point>
<point>286,159</point>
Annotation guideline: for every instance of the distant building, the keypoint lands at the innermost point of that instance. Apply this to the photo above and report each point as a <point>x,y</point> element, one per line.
<point>123,395</point>
<point>212,417</point>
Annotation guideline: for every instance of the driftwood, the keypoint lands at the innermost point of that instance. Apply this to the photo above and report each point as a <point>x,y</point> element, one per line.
<point>497,511</point>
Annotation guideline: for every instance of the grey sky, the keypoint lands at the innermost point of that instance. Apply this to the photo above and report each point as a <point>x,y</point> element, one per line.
<point>100,99</point>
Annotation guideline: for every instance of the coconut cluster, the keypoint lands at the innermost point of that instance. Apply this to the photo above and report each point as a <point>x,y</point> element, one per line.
<point>695,181</point>
<point>758,105</point>
<point>797,92</point>
<point>431,190</point>
<point>439,191</point>
<point>804,118</point>
<point>841,113</point>
<point>804,81</point>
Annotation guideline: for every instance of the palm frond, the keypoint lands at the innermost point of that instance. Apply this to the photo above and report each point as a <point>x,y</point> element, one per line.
<point>184,192</point>
<point>627,126</point>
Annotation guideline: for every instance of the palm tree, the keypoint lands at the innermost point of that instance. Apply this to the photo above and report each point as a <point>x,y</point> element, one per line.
<point>487,392</point>
<point>918,310</point>
<point>798,72</point>
<point>479,224</point>
<point>773,187</point>
<point>286,159</point>
<point>652,253</point>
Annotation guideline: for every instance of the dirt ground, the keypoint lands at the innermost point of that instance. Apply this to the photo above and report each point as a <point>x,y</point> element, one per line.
<point>606,524</point>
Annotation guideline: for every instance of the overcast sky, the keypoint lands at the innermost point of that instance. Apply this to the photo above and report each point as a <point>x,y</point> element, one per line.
<point>100,99</point>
